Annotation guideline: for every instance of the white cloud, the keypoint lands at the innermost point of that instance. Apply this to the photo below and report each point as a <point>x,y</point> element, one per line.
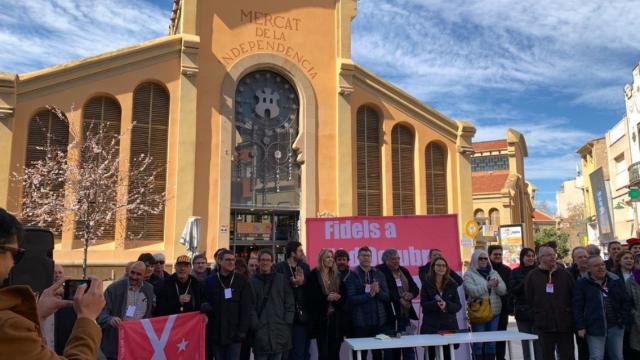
<point>39,33</point>
<point>543,136</point>
<point>435,48</point>
<point>552,167</point>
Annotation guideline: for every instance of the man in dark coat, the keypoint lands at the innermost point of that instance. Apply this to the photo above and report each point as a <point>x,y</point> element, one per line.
<point>230,301</point>
<point>297,271</point>
<point>495,256</point>
<point>613,248</point>
<point>402,290</point>
<point>578,270</point>
<point>273,314</point>
<point>423,270</point>
<point>367,295</point>
<point>130,298</point>
<point>550,291</point>
<point>342,262</point>
<point>180,292</point>
<point>602,308</point>
<point>159,274</point>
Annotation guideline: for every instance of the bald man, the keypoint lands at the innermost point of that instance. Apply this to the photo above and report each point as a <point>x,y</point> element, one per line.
<point>130,298</point>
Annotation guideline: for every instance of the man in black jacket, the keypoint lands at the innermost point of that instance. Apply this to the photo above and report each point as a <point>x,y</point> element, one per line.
<point>550,291</point>
<point>578,270</point>
<point>402,290</point>
<point>495,256</point>
<point>602,308</point>
<point>180,292</point>
<point>294,269</point>
<point>613,248</point>
<point>423,270</point>
<point>230,301</point>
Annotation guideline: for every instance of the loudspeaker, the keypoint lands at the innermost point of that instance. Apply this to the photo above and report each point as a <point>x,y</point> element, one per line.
<point>36,267</point>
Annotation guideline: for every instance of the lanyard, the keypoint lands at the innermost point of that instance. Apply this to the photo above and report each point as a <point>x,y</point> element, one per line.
<point>230,282</point>
<point>186,292</point>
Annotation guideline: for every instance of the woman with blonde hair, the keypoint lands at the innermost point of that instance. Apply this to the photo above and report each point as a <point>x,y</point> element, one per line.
<point>482,282</point>
<point>325,294</point>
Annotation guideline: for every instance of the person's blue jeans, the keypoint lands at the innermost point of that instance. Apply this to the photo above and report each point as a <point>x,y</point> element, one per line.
<point>300,343</point>
<point>489,347</point>
<point>227,352</point>
<point>273,356</point>
<point>613,342</point>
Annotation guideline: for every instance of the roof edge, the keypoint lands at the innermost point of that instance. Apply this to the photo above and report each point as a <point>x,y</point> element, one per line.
<point>410,103</point>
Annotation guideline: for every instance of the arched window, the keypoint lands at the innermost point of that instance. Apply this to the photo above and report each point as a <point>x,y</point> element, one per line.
<point>494,217</point>
<point>48,135</point>
<point>101,123</point>
<point>402,168</point>
<point>265,170</point>
<point>436,177</point>
<point>368,162</point>
<point>149,138</point>
<point>478,215</point>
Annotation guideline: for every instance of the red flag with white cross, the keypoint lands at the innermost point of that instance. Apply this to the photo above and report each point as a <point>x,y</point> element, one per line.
<point>163,338</point>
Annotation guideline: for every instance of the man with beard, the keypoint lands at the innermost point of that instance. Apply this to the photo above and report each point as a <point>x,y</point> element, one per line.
<point>342,262</point>
<point>180,292</point>
<point>130,298</point>
<point>297,271</point>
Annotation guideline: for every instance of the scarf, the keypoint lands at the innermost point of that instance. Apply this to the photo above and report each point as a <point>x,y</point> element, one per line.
<point>485,271</point>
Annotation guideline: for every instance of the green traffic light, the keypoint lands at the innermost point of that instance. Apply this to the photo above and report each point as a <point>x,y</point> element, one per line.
<point>634,193</point>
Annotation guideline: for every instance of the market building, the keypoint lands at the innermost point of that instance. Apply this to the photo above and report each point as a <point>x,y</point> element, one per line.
<point>261,119</point>
<point>501,194</point>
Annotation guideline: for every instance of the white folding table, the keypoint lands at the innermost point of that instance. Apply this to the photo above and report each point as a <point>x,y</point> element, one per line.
<point>439,341</point>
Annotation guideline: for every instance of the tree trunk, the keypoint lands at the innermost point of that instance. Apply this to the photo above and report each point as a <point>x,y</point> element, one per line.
<point>85,252</point>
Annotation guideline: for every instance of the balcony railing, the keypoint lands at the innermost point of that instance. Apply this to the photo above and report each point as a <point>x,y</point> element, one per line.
<point>634,173</point>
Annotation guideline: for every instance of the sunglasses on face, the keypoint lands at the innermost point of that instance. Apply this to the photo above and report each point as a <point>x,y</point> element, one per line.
<point>16,252</point>
<point>483,258</point>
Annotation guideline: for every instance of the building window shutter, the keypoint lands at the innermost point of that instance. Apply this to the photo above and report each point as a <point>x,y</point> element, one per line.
<point>149,137</point>
<point>436,177</point>
<point>46,131</point>
<point>402,167</point>
<point>368,162</point>
<point>494,217</point>
<point>105,112</point>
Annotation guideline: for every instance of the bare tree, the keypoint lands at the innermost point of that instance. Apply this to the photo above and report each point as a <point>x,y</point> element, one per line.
<point>81,187</point>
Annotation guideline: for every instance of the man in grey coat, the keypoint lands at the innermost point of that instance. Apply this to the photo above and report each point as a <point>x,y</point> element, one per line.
<point>274,308</point>
<point>130,298</point>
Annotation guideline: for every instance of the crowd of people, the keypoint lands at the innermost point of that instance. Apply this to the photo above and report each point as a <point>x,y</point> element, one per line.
<point>273,310</point>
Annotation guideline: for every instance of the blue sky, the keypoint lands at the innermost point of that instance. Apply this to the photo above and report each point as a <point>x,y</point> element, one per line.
<point>554,70</point>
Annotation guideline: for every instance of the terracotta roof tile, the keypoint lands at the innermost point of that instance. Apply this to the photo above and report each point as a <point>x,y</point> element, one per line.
<point>488,182</point>
<point>490,145</point>
<point>541,216</point>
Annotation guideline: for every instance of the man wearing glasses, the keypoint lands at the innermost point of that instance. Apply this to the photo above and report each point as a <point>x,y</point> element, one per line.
<point>20,336</point>
<point>230,298</point>
<point>159,274</point>
<point>550,291</point>
<point>200,269</point>
<point>179,293</point>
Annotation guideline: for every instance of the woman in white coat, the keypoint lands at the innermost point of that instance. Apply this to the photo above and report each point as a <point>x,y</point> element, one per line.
<point>481,281</point>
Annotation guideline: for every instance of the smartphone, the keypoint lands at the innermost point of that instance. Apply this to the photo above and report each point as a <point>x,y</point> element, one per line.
<point>70,287</point>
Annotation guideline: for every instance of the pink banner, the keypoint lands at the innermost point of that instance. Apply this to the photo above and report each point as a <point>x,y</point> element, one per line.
<point>413,236</point>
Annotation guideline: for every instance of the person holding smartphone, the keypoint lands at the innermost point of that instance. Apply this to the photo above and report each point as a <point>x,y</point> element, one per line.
<point>21,316</point>
<point>440,302</point>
